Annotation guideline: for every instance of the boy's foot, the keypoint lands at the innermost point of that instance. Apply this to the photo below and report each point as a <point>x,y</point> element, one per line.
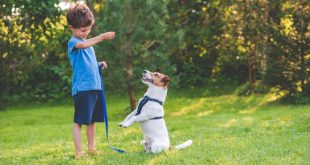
<point>94,152</point>
<point>80,154</point>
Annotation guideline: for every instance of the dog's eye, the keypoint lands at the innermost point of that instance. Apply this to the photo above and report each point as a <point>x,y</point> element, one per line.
<point>156,74</point>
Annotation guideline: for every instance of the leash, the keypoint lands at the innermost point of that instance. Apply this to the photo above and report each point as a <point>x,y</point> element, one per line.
<point>105,114</point>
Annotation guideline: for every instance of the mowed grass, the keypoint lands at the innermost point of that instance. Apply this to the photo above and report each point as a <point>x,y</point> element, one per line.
<point>225,129</point>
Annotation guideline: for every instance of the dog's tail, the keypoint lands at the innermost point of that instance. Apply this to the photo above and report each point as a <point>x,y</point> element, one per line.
<point>184,145</point>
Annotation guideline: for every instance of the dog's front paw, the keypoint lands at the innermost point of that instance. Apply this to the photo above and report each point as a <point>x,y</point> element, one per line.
<point>126,124</point>
<point>143,142</point>
<point>121,123</point>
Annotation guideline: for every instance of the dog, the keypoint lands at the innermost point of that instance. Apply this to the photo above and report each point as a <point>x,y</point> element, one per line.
<point>150,113</point>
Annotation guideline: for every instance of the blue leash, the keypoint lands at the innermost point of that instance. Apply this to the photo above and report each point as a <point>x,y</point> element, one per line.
<point>105,114</point>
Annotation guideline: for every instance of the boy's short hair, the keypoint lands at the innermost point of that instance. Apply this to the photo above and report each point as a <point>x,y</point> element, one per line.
<point>79,15</point>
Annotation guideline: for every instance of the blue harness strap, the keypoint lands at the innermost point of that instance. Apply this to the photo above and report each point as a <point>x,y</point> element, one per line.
<point>144,101</point>
<point>105,114</point>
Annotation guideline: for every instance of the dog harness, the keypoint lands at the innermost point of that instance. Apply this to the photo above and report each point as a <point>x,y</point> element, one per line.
<point>144,101</point>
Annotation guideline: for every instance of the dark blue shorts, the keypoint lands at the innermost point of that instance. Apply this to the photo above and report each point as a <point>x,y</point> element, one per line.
<point>88,107</point>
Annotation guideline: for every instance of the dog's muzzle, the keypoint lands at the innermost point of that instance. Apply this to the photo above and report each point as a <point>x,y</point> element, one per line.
<point>146,76</point>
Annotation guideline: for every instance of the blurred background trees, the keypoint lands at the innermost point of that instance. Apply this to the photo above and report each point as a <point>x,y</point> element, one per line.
<point>258,42</point>
<point>142,41</point>
<point>33,60</point>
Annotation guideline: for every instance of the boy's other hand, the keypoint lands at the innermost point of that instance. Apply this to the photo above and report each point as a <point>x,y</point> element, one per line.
<point>104,64</point>
<point>108,35</point>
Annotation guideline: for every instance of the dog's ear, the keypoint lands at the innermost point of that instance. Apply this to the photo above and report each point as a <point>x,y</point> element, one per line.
<point>166,80</point>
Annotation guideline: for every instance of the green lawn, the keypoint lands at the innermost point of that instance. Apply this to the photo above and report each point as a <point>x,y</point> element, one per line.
<point>225,129</point>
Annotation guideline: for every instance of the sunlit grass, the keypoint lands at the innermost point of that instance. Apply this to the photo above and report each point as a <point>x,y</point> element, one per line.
<point>225,129</point>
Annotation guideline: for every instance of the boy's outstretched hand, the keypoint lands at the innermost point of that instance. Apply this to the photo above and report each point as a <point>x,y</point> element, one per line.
<point>107,35</point>
<point>104,64</point>
<point>92,41</point>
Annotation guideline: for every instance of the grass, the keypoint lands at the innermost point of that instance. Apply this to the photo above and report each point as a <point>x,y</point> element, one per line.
<point>225,129</point>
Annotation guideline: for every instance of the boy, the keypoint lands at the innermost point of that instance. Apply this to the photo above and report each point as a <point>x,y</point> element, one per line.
<point>86,83</point>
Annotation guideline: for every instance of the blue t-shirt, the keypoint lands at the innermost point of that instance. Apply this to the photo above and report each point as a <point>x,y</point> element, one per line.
<point>85,67</point>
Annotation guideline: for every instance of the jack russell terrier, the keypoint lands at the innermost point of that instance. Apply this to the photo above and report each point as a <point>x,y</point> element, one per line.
<point>150,114</point>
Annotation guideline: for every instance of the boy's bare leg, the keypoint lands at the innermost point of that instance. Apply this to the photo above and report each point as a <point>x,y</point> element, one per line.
<point>77,138</point>
<point>90,131</point>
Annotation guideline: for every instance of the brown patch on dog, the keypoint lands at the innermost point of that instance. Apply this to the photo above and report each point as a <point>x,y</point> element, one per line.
<point>166,80</point>
<point>160,79</point>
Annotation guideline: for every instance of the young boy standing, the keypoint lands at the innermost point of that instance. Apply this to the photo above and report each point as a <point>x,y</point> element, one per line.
<point>86,83</point>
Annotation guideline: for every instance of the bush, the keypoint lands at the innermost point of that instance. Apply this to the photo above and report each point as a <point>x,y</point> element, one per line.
<point>296,98</point>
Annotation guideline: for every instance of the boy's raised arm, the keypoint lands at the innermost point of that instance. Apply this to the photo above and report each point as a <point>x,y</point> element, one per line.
<point>93,41</point>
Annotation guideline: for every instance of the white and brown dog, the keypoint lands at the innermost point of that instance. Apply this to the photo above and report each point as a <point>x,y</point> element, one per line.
<point>150,113</point>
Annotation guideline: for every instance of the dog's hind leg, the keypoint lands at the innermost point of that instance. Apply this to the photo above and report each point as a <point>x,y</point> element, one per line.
<point>157,148</point>
<point>146,142</point>
<point>146,146</point>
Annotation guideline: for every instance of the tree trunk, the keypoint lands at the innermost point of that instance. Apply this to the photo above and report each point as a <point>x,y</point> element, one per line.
<point>254,67</point>
<point>265,45</point>
<point>131,87</point>
<point>91,8</point>
<point>302,44</point>
<point>251,72</point>
<point>128,54</point>
<point>250,52</point>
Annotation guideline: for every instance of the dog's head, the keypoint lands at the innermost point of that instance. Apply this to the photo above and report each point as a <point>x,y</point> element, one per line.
<point>156,79</point>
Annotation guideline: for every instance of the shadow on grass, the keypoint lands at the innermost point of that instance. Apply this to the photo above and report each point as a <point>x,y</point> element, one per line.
<point>207,105</point>
<point>211,88</point>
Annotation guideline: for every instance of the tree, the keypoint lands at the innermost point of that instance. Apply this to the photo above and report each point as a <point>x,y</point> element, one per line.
<point>141,42</point>
<point>199,23</point>
<point>29,36</point>
<point>289,38</point>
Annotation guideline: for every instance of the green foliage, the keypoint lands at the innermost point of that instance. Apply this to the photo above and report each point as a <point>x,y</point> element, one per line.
<point>289,64</point>
<point>141,40</point>
<point>193,42</point>
<point>58,86</point>
<point>32,46</point>
<point>200,25</point>
<point>260,88</point>
<point>296,98</point>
